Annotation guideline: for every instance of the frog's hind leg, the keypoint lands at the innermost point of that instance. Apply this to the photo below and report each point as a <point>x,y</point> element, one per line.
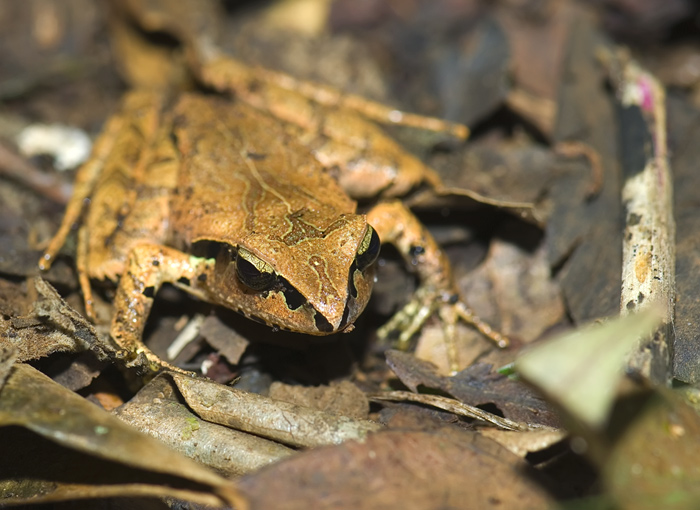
<point>85,181</point>
<point>83,277</point>
<point>256,85</point>
<point>339,129</point>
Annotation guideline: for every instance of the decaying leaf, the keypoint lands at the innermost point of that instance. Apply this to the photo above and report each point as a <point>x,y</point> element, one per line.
<point>343,398</point>
<point>446,468</point>
<point>83,448</point>
<point>453,406</point>
<point>8,356</point>
<point>522,443</point>
<point>288,423</point>
<point>156,411</point>
<point>225,340</point>
<point>476,385</point>
<point>51,326</point>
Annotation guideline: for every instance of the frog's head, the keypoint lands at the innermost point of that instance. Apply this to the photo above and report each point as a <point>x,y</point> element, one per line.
<point>302,278</point>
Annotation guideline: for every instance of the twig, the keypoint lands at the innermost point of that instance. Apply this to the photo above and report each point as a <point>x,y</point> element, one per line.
<point>453,406</point>
<point>649,251</point>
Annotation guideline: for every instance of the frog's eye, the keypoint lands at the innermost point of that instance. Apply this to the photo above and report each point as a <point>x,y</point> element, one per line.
<point>254,272</point>
<point>368,251</point>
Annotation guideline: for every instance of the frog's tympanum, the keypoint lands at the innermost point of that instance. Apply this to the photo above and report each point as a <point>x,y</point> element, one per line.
<point>246,202</point>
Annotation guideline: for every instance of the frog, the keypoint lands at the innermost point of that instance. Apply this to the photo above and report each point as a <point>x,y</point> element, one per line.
<point>247,199</point>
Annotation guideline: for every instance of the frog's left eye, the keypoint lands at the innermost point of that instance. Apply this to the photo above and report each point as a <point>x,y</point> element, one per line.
<point>368,251</point>
<point>254,272</point>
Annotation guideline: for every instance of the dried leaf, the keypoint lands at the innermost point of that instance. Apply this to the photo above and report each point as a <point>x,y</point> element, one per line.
<point>475,386</point>
<point>343,399</point>
<point>156,411</point>
<point>51,326</point>
<point>523,443</point>
<point>443,469</point>
<point>224,339</point>
<point>451,405</point>
<point>684,122</point>
<point>288,423</point>
<point>47,415</point>
<point>582,233</point>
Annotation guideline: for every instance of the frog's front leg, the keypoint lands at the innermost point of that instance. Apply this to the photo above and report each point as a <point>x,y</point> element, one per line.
<point>437,292</point>
<point>148,267</point>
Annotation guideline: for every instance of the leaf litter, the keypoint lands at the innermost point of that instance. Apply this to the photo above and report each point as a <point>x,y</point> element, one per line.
<point>547,258</point>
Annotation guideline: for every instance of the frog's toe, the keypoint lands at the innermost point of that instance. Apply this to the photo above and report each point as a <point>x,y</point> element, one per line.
<point>449,307</point>
<point>462,310</point>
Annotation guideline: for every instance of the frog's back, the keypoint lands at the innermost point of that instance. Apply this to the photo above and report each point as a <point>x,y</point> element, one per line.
<point>242,173</point>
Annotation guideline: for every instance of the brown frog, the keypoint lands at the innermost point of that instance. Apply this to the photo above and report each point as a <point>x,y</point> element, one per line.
<point>220,198</point>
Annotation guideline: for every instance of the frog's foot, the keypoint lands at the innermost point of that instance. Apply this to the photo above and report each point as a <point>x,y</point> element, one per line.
<point>148,267</point>
<point>147,363</point>
<point>450,308</point>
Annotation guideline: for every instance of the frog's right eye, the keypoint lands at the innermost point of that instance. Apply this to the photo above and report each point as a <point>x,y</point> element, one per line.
<point>368,251</point>
<point>254,272</point>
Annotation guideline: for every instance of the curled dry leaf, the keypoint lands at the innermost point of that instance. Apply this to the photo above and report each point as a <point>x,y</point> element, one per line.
<point>288,423</point>
<point>51,326</point>
<point>94,448</point>
<point>156,411</point>
<point>451,405</point>
<point>448,468</point>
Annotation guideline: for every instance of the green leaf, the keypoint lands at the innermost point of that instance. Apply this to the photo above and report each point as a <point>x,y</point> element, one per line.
<point>580,370</point>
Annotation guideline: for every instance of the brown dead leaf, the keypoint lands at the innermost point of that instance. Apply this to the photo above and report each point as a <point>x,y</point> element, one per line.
<point>513,290</point>
<point>51,326</point>
<point>537,37</point>
<point>684,128</point>
<point>82,448</point>
<point>583,234</point>
<point>476,386</point>
<point>156,411</point>
<point>75,373</point>
<point>502,173</point>
<point>225,340</point>
<point>343,398</point>
<point>284,422</point>
<point>442,469</point>
<point>522,443</point>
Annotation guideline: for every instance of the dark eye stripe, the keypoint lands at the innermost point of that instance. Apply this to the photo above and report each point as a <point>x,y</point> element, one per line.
<point>322,323</point>
<point>352,290</point>
<point>292,297</point>
<point>368,251</point>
